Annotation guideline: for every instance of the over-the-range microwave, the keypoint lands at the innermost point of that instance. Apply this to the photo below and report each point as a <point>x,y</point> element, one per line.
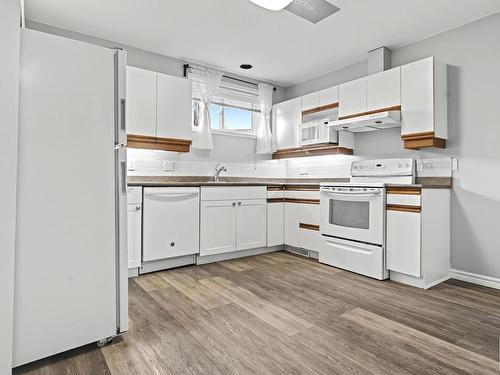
<point>317,131</point>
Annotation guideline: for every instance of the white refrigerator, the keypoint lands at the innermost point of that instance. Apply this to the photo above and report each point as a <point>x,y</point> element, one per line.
<point>71,255</point>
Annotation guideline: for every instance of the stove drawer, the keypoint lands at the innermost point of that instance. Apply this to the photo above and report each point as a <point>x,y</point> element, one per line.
<point>368,260</point>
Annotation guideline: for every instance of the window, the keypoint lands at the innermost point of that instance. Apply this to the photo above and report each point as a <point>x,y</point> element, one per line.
<point>234,109</point>
<point>228,115</point>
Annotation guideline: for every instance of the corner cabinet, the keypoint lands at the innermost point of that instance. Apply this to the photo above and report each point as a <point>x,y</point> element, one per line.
<point>424,104</point>
<point>418,235</point>
<point>158,111</point>
<point>232,219</point>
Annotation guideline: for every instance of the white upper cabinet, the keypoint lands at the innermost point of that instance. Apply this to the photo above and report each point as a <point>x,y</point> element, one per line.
<point>310,101</point>
<point>329,96</point>
<point>352,98</point>
<point>383,90</point>
<point>174,107</point>
<point>287,116</point>
<point>141,102</point>
<point>423,98</point>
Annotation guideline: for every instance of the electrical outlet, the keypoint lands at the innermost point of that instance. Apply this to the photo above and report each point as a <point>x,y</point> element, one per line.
<point>454,164</point>
<point>131,165</point>
<point>168,166</point>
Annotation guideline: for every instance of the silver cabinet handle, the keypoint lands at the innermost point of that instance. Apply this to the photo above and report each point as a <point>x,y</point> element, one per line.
<point>234,204</point>
<point>239,203</point>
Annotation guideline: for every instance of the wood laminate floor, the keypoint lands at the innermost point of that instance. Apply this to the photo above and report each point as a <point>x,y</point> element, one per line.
<point>282,314</point>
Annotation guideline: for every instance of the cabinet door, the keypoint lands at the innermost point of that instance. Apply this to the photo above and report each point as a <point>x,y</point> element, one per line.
<point>141,102</point>
<point>417,97</point>
<point>218,227</point>
<point>134,235</point>
<point>352,98</point>
<point>310,101</point>
<point>251,224</point>
<point>288,118</point>
<point>383,90</point>
<point>403,242</point>
<point>275,224</point>
<point>292,216</point>
<point>329,96</point>
<point>174,105</point>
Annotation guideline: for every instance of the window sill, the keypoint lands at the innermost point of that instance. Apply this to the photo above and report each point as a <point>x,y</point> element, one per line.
<point>232,134</point>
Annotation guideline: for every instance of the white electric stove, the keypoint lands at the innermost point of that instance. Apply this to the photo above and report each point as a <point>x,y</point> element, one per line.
<point>353,215</point>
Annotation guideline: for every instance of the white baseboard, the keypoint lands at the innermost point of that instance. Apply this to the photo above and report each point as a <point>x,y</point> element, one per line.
<point>474,278</point>
<point>236,254</point>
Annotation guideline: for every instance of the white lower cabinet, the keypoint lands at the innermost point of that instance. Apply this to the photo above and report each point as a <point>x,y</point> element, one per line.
<point>250,224</point>
<point>403,242</point>
<point>218,227</point>
<point>418,236</point>
<point>292,221</point>
<point>134,227</point>
<point>275,223</point>
<point>134,235</point>
<point>232,219</point>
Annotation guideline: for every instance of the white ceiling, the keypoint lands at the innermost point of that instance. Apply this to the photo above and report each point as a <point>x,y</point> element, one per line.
<point>282,47</point>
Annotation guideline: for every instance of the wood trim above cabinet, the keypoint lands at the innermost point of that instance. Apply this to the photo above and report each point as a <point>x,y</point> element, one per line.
<point>158,143</point>
<point>314,150</point>
<point>301,200</point>
<point>404,190</point>
<point>386,109</point>
<point>416,141</point>
<point>325,107</point>
<point>403,208</point>
<point>309,226</point>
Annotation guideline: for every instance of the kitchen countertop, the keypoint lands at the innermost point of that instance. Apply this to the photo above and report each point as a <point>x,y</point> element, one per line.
<point>166,181</point>
<point>173,181</point>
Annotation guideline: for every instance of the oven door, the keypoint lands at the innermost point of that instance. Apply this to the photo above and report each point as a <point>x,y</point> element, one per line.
<point>353,213</point>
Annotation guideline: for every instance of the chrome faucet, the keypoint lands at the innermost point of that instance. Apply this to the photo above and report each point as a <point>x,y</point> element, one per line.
<point>218,169</point>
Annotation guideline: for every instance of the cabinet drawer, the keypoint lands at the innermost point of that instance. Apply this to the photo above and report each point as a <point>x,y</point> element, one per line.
<point>403,199</point>
<point>275,194</point>
<point>134,195</point>
<point>213,193</point>
<point>302,194</point>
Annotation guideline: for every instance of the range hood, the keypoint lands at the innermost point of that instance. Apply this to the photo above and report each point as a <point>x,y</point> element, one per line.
<point>371,122</point>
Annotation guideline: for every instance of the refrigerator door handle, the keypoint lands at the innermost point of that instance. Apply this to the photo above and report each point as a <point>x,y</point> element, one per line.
<point>123,176</point>
<point>123,112</point>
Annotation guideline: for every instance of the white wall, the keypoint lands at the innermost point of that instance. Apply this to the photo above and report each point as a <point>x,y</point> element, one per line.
<point>135,56</point>
<point>473,56</point>
<point>9,85</point>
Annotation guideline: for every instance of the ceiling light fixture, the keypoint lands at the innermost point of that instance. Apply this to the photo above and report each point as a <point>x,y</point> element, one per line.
<point>272,4</point>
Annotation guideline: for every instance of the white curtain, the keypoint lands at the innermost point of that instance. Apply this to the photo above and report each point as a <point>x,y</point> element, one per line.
<point>264,137</point>
<point>206,82</point>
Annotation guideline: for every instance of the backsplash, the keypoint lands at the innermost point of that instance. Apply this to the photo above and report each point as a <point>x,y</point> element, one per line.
<point>159,163</point>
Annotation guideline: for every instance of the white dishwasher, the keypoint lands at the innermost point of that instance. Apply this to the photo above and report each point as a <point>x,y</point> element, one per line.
<point>171,221</point>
